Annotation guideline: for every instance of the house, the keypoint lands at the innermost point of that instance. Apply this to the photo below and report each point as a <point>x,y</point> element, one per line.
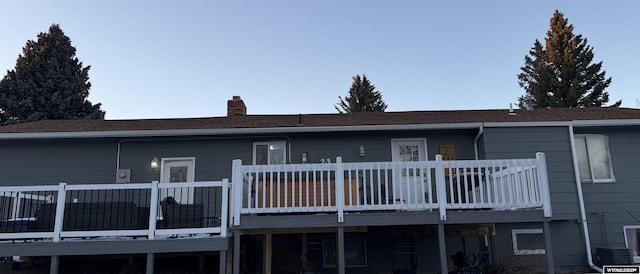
<point>546,190</point>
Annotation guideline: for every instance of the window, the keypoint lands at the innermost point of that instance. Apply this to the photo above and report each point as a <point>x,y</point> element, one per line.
<point>409,152</point>
<point>269,153</point>
<point>527,241</point>
<point>594,161</point>
<point>632,239</point>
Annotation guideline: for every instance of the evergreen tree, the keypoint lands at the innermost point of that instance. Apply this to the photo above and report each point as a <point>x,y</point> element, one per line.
<point>48,82</point>
<point>561,73</point>
<point>363,97</point>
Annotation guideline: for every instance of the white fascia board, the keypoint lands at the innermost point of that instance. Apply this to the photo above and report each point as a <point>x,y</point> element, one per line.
<point>606,123</point>
<point>575,123</point>
<point>288,130</point>
<point>528,124</point>
<point>229,131</point>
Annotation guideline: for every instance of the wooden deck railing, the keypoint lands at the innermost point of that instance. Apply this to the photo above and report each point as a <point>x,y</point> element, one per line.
<point>63,211</point>
<point>374,186</point>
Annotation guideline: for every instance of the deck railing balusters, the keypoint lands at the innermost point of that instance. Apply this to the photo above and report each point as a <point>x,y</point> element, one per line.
<point>466,184</point>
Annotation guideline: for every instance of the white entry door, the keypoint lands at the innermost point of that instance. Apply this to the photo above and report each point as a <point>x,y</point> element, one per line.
<point>176,171</point>
<point>409,183</point>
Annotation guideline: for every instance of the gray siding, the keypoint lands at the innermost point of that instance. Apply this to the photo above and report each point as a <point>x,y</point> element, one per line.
<point>213,156</point>
<point>88,161</point>
<point>38,162</point>
<point>524,142</point>
<point>610,206</point>
<point>567,246</point>
<point>377,145</point>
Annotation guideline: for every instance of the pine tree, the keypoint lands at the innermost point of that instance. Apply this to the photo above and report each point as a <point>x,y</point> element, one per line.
<point>561,73</point>
<point>48,82</point>
<point>363,97</point>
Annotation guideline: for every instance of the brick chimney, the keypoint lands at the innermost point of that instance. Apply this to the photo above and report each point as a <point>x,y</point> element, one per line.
<point>236,106</point>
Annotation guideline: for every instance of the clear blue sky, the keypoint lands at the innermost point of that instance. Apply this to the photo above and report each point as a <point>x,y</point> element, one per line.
<point>152,59</point>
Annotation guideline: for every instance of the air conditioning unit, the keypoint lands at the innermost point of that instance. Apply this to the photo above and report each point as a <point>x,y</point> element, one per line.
<point>614,256</point>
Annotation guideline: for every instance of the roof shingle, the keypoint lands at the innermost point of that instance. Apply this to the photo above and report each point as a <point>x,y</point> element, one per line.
<point>322,120</point>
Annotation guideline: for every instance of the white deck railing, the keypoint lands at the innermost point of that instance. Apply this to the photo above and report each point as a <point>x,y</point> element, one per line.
<point>137,210</point>
<point>63,211</point>
<point>375,186</point>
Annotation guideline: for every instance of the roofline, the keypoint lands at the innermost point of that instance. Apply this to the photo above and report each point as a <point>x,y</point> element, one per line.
<point>574,123</point>
<point>229,131</point>
<point>605,123</point>
<point>285,130</point>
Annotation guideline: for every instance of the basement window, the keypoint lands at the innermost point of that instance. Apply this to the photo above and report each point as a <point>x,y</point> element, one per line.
<point>528,241</point>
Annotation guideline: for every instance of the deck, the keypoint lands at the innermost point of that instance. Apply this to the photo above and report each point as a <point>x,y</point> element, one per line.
<point>136,217</point>
<point>428,186</point>
<point>54,216</point>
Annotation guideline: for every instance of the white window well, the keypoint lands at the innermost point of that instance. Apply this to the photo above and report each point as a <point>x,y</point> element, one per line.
<point>594,159</point>
<point>269,153</point>
<point>528,241</point>
<point>632,239</point>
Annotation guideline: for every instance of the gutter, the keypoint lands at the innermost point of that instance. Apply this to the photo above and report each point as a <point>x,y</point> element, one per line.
<point>229,131</point>
<point>575,123</point>
<point>583,215</point>
<point>302,129</point>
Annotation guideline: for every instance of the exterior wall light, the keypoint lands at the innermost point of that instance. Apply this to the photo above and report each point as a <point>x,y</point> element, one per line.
<point>361,151</point>
<point>154,163</point>
<point>304,157</point>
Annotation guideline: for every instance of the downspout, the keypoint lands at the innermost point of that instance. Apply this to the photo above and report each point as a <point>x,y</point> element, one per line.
<point>583,215</point>
<point>118,159</point>
<point>477,155</point>
<point>475,141</point>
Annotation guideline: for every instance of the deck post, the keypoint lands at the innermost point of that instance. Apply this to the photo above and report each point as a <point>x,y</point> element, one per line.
<point>153,210</point>
<point>340,251</point>
<point>236,250</point>
<point>268,249</point>
<point>441,188</point>
<point>340,189</point>
<point>544,184</point>
<point>150,263</point>
<point>224,216</point>
<point>57,228</point>
<point>201,263</point>
<point>222,268</point>
<point>237,182</point>
<point>53,268</point>
<point>547,247</point>
<point>222,258</point>
<point>442,249</point>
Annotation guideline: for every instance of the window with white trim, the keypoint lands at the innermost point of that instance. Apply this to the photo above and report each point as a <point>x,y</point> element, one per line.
<point>528,241</point>
<point>594,159</point>
<point>269,153</point>
<point>632,239</point>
